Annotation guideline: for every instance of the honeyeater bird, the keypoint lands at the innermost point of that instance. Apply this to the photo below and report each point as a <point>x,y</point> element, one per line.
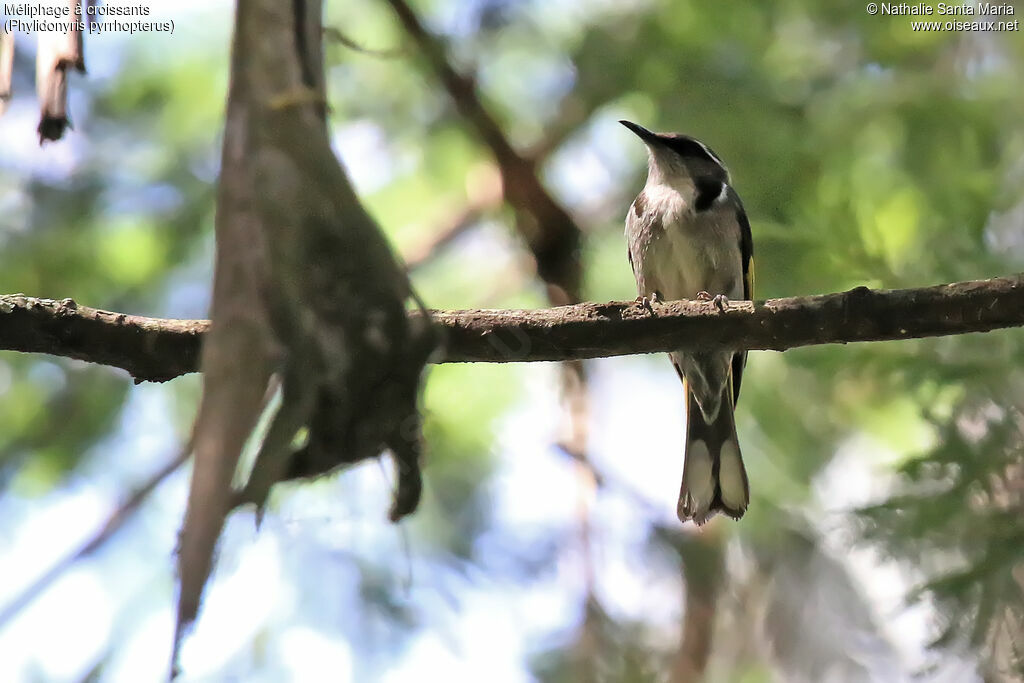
<point>689,238</point>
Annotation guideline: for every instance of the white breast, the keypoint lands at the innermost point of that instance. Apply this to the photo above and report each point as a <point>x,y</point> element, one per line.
<point>692,252</point>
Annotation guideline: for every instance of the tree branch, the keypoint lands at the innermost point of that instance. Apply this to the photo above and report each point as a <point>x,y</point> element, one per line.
<point>150,349</point>
<point>153,349</point>
<point>550,232</point>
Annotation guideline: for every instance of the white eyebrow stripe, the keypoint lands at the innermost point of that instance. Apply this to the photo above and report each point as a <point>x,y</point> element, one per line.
<point>709,152</point>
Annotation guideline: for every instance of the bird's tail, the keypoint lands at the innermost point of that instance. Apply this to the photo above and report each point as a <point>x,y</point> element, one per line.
<point>714,479</point>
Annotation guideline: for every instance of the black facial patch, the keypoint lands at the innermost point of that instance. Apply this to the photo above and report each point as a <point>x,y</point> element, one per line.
<point>708,190</point>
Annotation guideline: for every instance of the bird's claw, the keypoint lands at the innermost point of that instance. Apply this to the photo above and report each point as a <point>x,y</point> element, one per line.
<point>646,302</point>
<point>721,301</point>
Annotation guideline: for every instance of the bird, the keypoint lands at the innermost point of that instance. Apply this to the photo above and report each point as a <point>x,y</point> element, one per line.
<point>688,237</point>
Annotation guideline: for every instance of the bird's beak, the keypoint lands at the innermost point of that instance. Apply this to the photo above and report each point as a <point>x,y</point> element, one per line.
<point>647,136</point>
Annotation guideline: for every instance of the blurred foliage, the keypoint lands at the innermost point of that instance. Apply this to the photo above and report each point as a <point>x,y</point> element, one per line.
<point>866,154</point>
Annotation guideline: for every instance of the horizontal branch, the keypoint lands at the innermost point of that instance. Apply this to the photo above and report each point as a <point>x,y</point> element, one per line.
<point>615,329</point>
<point>155,349</point>
<point>150,349</point>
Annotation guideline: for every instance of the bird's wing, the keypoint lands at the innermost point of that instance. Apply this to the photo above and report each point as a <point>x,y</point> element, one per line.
<point>747,255</point>
<point>637,229</point>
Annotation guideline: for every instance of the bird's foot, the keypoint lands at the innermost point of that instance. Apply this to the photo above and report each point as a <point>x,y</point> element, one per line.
<point>647,302</point>
<point>721,301</point>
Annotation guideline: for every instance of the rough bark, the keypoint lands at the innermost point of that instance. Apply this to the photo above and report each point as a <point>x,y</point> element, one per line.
<point>596,330</point>
<point>149,349</point>
<point>153,349</point>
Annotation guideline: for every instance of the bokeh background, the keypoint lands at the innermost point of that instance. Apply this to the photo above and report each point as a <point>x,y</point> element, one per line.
<point>885,538</point>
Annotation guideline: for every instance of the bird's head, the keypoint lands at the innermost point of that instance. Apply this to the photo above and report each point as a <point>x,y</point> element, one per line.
<point>675,160</point>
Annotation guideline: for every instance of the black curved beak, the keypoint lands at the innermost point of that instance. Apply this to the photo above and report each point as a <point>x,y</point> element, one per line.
<point>641,132</point>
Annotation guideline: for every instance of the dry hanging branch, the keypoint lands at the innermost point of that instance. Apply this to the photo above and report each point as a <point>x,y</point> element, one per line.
<point>58,52</point>
<point>153,349</point>
<point>306,289</point>
<point>6,68</point>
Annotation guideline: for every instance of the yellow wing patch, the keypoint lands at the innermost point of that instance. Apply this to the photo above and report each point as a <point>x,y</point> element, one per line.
<point>748,280</point>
